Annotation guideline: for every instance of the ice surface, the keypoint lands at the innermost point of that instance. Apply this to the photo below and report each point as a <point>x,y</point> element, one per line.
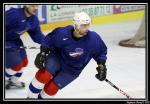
<point>126,68</point>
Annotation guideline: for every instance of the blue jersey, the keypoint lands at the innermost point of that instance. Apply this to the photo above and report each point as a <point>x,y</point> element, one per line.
<point>16,23</point>
<point>75,54</point>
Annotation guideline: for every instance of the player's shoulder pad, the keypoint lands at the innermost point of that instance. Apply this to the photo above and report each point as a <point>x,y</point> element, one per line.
<point>35,18</point>
<point>14,13</point>
<point>95,35</point>
<point>62,30</point>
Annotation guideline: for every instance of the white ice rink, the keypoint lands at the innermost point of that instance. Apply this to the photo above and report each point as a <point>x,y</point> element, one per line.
<point>126,68</point>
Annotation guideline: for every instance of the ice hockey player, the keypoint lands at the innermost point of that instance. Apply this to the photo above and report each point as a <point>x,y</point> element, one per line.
<point>18,21</point>
<point>63,55</point>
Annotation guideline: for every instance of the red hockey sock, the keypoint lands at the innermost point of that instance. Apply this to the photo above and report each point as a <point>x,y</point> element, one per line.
<point>51,88</point>
<point>43,76</point>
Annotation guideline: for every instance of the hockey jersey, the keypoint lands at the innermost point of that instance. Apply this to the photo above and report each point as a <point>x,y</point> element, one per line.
<point>16,23</point>
<point>75,54</point>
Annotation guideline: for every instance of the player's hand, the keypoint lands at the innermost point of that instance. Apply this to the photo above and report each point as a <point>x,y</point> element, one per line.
<point>102,72</point>
<point>41,58</point>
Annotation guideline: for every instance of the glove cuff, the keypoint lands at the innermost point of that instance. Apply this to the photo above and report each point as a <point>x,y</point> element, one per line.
<point>45,49</point>
<point>101,62</point>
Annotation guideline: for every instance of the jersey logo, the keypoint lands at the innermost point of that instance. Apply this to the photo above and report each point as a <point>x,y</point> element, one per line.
<point>23,20</point>
<point>65,38</point>
<point>77,52</point>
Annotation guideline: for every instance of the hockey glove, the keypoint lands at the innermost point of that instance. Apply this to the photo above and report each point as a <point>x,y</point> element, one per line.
<point>102,71</point>
<point>41,58</point>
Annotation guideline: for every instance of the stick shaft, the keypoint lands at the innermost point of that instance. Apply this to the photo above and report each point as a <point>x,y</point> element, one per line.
<point>122,92</point>
<point>23,47</point>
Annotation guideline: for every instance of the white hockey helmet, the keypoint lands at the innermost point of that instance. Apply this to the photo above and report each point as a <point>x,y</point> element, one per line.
<point>81,18</point>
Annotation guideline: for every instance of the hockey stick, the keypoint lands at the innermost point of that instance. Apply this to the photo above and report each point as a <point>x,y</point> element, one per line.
<point>23,47</point>
<point>114,86</point>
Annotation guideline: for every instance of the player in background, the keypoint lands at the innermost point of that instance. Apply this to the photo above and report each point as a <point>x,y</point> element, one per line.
<point>18,21</point>
<point>63,55</point>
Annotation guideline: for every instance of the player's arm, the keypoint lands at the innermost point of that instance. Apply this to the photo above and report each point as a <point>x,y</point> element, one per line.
<point>48,44</point>
<point>36,34</point>
<point>100,57</point>
<point>11,19</point>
